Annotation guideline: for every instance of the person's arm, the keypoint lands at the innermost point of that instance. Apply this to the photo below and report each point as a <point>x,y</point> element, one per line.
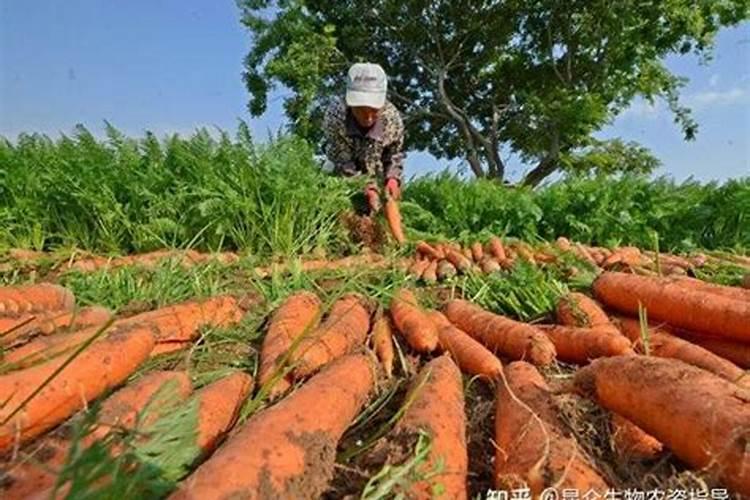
<point>335,146</point>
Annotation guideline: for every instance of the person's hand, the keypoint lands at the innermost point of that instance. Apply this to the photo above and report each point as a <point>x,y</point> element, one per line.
<point>393,188</point>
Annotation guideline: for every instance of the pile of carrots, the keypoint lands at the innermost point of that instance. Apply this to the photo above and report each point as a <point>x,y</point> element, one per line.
<point>665,356</point>
<point>440,261</point>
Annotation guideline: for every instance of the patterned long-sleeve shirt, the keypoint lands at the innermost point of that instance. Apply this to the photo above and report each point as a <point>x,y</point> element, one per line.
<point>376,152</point>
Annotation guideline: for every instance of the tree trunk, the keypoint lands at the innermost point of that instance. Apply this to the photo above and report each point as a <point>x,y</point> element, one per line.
<point>547,165</point>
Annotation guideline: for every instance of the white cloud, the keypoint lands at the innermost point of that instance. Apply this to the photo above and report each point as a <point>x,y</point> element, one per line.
<point>713,98</point>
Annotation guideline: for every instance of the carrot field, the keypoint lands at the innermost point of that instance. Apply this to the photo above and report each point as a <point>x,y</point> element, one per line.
<point>193,318</point>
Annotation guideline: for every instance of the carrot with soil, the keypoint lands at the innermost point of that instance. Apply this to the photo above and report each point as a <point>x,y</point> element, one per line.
<point>344,330</point>
<point>429,275</point>
<point>382,341</point>
<point>577,309</point>
<point>299,313</point>
<point>580,345</point>
<point>532,447</point>
<point>471,356</point>
<point>393,217</point>
<point>664,345</point>
<point>39,398</point>
<point>437,409</point>
<point>412,322</point>
<point>736,352</point>
<point>288,450</point>
<point>631,442</point>
<point>500,334</point>
<point>36,298</point>
<point>705,423</point>
<point>38,468</point>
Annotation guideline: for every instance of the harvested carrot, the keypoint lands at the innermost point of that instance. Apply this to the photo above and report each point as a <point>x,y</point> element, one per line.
<point>300,312</point>
<point>500,334</point>
<point>497,249</point>
<point>219,406</point>
<point>393,217</point>
<point>524,251</point>
<point>489,265</point>
<point>382,342</point>
<point>429,275</point>
<point>532,449</point>
<point>344,330</point>
<point>564,244</point>
<point>466,251</point>
<point>39,467</point>
<point>445,270</point>
<point>471,356</point>
<point>664,345</point>
<point>289,449</point>
<point>584,254</point>
<point>577,309</point>
<point>412,322</point>
<point>182,322</point>
<point>580,345</point>
<point>36,298</point>
<point>630,441</point>
<point>672,303</point>
<point>458,259</point>
<point>437,409</point>
<point>736,352</point>
<point>428,251</point>
<point>627,256</point>
<point>46,323</point>
<point>44,349</point>
<point>705,423</point>
<point>477,251</point>
<point>730,292</point>
<point>417,268</point>
<point>102,366</point>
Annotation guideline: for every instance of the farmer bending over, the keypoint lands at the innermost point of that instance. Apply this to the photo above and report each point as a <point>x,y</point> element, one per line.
<point>364,134</point>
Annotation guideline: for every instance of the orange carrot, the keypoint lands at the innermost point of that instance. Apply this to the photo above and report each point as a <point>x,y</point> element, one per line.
<point>627,256</point>
<point>429,275</point>
<point>477,251</point>
<point>630,441</point>
<point>497,249</point>
<point>40,465</point>
<point>46,323</point>
<point>289,449</point>
<point>471,356</point>
<point>500,334</point>
<point>564,244</point>
<point>393,217</point>
<point>36,298</point>
<point>736,352</point>
<point>704,422</point>
<point>412,322</point>
<point>219,406</point>
<point>417,268</point>
<point>576,309</point>
<point>445,270</point>
<point>672,303</point>
<point>102,366</point>
<point>584,254</point>
<point>300,312</point>
<point>182,322</point>
<point>344,330</point>
<point>428,251</point>
<point>382,342</point>
<point>466,252</point>
<point>438,409</point>
<point>664,345</point>
<point>489,265</point>
<point>532,449</point>
<point>458,259</point>
<point>730,292</point>
<point>580,345</point>
<point>524,251</point>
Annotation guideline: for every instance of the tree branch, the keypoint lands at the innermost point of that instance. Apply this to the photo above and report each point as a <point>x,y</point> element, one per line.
<point>547,165</point>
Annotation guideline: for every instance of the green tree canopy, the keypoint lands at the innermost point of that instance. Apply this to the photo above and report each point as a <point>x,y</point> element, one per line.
<point>537,77</point>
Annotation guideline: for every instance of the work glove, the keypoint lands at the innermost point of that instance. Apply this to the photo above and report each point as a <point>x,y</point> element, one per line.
<point>393,188</point>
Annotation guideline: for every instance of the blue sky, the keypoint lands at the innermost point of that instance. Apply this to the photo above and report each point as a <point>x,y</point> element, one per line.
<point>172,66</point>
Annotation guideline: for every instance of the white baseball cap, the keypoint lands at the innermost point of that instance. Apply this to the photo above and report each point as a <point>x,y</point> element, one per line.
<point>366,85</point>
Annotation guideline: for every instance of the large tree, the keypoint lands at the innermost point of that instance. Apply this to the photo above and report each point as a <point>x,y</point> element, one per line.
<point>536,77</point>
